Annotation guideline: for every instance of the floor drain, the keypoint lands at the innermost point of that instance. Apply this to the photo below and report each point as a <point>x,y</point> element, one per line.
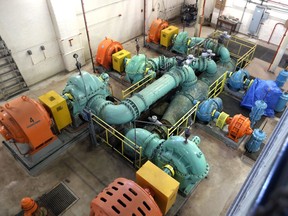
<point>57,201</point>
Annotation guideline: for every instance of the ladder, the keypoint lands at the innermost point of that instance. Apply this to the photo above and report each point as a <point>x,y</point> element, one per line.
<point>11,80</point>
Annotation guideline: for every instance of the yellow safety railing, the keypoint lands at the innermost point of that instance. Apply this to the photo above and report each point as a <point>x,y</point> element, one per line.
<point>127,92</point>
<point>183,121</point>
<point>241,49</point>
<point>110,132</point>
<point>217,87</point>
<point>214,90</point>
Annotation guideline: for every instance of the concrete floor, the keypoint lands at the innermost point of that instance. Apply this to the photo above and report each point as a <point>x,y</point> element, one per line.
<point>87,172</point>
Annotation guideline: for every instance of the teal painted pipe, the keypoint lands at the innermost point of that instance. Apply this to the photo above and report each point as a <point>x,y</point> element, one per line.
<point>218,49</point>
<point>187,159</point>
<point>137,66</point>
<point>203,64</point>
<point>187,97</point>
<point>194,41</point>
<point>147,140</point>
<point>131,108</point>
<point>182,42</point>
<point>161,63</point>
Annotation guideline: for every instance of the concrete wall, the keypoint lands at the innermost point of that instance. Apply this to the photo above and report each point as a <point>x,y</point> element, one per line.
<point>26,25</point>
<point>236,7</point>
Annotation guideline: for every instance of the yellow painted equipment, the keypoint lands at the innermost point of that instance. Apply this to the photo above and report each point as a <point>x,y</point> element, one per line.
<point>221,120</point>
<point>57,107</point>
<point>163,185</point>
<point>167,34</point>
<point>118,60</point>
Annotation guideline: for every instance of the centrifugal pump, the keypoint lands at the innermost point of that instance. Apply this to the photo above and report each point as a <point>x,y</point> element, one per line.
<point>183,160</point>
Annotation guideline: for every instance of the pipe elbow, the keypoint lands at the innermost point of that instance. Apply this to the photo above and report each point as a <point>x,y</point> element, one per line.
<point>189,78</point>
<point>211,69</point>
<point>145,139</point>
<point>111,113</point>
<point>224,54</point>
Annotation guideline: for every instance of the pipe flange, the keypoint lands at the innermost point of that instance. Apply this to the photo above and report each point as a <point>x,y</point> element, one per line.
<point>142,98</point>
<point>132,107</point>
<point>101,107</point>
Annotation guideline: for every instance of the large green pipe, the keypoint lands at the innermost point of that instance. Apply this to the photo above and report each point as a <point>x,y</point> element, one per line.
<point>187,98</point>
<point>182,42</point>
<point>204,64</point>
<point>186,158</point>
<point>147,140</point>
<point>162,63</point>
<point>218,49</point>
<point>138,66</point>
<point>131,108</point>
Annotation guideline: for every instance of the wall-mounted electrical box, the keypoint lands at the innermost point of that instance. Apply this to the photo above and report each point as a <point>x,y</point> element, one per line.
<point>259,16</point>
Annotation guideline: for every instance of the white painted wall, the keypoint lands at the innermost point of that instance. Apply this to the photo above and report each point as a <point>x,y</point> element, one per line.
<point>26,25</point>
<point>67,31</point>
<point>235,8</point>
<point>120,20</point>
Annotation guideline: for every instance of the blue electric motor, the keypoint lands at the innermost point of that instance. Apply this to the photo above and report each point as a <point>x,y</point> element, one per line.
<point>255,141</point>
<point>281,78</point>
<point>257,111</point>
<point>281,104</point>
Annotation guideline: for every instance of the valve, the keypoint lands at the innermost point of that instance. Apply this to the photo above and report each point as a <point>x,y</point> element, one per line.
<point>190,59</point>
<point>223,37</point>
<point>187,134</point>
<point>207,54</point>
<point>179,60</point>
<point>78,64</point>
<point>154,120</point>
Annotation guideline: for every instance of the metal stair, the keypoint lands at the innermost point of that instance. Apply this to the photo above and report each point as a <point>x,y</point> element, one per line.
<point>11,80</point>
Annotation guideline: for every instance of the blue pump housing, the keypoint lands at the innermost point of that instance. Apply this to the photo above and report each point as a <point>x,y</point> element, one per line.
<point>209,110</point>
<point>255,141</point>
<point>238,80</point>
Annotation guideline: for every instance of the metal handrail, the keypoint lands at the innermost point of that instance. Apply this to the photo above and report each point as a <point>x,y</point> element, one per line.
<point>183,119</point>
<point>136,86</point>
<point>214,90</point>
<point>125,142</point>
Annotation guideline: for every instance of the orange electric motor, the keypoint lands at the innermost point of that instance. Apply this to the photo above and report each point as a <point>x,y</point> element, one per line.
<point>239,126</point>
<point>26,121</point>
<point>124,197</point>
<point>156,27</point>
<point>106,48</point>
